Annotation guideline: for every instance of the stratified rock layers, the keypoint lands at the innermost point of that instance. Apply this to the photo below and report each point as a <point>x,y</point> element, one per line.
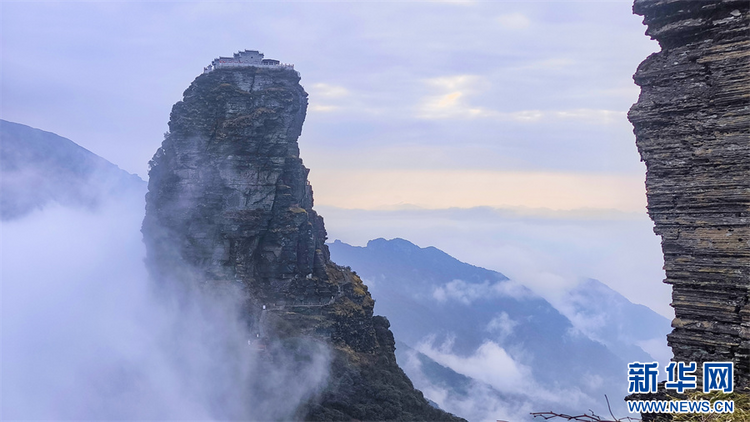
<point>229,204</point>
<point>692,124</point>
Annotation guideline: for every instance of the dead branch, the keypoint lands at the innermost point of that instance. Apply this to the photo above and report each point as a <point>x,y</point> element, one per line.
<point>590,416</point>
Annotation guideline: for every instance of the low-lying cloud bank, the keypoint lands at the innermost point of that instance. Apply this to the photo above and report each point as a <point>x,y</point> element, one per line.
<point>85,336</point>
<point>496,386</point>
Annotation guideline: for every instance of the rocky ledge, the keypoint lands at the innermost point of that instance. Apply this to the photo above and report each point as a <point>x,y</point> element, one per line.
<point>229,204</point>
<point>692,124</point>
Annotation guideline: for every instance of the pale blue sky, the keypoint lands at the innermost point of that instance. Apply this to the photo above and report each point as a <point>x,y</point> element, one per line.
<point>446,98</point>
<point>536,85</point>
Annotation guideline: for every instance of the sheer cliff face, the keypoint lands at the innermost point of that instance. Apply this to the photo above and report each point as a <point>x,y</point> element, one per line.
<point>228,194</point>
<point>229,204</point>
<point>691,124</point>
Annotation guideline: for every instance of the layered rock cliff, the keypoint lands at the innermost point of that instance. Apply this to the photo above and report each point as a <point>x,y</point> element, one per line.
<point>692,124</point>
<point>229,204</point>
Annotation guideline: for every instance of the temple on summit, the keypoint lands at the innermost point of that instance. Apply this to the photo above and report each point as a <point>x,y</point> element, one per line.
<point>245,59</point>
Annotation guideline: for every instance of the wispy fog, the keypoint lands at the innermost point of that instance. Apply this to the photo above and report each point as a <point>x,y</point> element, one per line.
<point>479,403</point>
<point>468,292</point>
<point>85,337</point>
<point>498,388</point>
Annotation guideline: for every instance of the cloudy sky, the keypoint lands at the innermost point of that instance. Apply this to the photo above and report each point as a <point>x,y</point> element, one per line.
<point>495,131</point>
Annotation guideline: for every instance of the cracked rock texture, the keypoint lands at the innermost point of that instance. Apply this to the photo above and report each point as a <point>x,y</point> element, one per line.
<point>229,204</point>
<point>692,124</point>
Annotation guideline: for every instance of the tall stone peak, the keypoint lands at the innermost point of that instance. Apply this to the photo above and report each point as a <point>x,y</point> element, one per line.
<point>229,204</point>
<point>692,123</point>
<point>229,193</point>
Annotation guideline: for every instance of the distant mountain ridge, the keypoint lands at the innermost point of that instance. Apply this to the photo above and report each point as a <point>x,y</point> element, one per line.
<point>38,168</point>
<point>452,315</point>
<point>626,328</point>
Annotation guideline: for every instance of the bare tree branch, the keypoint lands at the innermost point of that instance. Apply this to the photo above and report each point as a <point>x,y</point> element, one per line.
<point>586,417</point>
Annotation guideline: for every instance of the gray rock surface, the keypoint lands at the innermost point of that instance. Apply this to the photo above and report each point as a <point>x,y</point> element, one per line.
<point>692,124</point>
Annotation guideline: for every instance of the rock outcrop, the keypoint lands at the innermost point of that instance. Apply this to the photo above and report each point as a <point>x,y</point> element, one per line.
<point>692,124</point>
<point>229,204</point>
